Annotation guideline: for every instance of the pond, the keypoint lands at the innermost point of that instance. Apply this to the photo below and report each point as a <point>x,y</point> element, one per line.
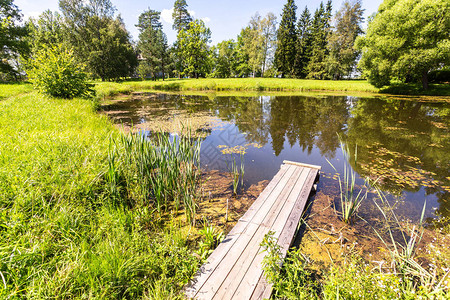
<point>402,144</point>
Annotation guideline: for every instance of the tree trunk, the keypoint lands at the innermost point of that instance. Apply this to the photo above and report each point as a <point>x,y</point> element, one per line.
<point>425,80</point>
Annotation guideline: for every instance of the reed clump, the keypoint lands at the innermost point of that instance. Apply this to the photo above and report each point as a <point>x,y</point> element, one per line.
<point>159,170</point>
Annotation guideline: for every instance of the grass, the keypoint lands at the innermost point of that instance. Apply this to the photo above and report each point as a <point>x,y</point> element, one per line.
<point>105,89</point>
<point>417,89</point>
<point>65,232</point>
<point>14,89</point>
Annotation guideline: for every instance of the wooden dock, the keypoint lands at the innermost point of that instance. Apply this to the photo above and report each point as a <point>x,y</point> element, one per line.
<point>234,269</point>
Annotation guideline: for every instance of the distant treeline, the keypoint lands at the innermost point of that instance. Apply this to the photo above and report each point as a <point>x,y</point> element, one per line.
<point>319,45</point>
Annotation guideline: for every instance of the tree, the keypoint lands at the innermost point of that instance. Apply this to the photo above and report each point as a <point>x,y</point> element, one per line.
<point>242,57</point>
<point>269,39</point>
<point>405,41</point>
<point>12,42</point>
<point>193,48</point>
<point>303,48</point>
<point>152,44</point>
<point>286,40</point>
<point>181,17</point>
<point>46,31</point>
<point>253,44</point>
<point>225,59</point>
<point>319,31</point>
<point>98,38</point>
<point>342,54</point>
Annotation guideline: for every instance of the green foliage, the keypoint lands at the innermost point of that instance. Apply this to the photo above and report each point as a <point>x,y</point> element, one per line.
<point>45,31</point>
<point>320,29</point>
<point>291,278</point>
<point>181,17</point>
<point>341,61</point>
<point>53,71</point>
<point>12,43</point>
<point>211,237</point>
<point>405,41</point>
<point>99,40</point>
<point>258,42</point>
<point>287,40</point>
<point>152,45</point>
<point>303,47</point>
<point>224,57</point>
<point>193,49</point>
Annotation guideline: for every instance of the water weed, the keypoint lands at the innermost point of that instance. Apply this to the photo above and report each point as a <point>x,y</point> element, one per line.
<point>350,198</point>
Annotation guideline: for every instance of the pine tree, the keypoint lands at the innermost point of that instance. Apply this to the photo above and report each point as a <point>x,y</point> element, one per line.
<point>287,40</point>
<point>319,31</point>
<point>303,44</point>
<point>181,17</point>
<point>152,44</point>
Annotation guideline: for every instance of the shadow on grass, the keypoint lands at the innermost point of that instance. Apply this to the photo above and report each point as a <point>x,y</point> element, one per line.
<point>442,89</point>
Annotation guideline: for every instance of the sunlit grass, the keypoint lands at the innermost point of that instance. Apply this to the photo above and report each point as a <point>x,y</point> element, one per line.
<point>13,89</point>
<point>64,232</point>
<point>105,89</point>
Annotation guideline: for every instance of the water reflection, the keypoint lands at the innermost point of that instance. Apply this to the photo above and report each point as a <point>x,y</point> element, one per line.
<point>403,144</point>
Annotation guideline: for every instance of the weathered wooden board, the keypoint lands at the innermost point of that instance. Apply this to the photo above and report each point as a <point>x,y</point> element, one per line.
<point>234,269</point>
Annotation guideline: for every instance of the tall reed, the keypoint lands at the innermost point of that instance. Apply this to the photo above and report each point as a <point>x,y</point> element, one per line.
<point>237,172</point>
<point>160,170</point>
<point>350,198</point>
<point>403,250</point>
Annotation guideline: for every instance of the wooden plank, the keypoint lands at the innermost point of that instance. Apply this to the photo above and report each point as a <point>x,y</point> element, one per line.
<point>219,253</point>
<point>264,289</point>
<point>220,274</point>
<point>251,278</point>
<point>301,164</point>
<point>234,269</point>
<point>243,264</point>
<point>219,267</point>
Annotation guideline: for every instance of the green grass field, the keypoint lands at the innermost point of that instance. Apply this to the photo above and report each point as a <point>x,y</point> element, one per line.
<point>268,85</point>
<point>236,84</point>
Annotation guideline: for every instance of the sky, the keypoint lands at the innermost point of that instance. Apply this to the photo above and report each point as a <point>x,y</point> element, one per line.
<point>224,18</point>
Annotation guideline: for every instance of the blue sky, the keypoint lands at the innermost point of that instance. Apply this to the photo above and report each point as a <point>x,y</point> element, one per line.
<point>225,18</point>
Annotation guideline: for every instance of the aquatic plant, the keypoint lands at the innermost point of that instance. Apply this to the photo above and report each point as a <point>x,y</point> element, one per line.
<point>159,170</point>
<point>237,173</point>
<point>234,175</point>
<point>403,251</point>
<point>210,239</point>
<point>350,198</point>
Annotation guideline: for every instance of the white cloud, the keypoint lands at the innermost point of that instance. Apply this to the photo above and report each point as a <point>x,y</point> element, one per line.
<point>166,15</point>
<point>206,19</point>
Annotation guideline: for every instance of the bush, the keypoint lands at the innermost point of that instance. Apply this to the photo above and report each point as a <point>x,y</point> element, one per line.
<point>54,71</point>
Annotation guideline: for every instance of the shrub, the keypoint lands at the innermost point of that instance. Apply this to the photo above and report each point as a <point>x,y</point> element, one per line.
<point>54,71</point>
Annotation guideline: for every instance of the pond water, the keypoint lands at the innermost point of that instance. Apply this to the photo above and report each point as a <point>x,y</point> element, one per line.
<point>403,144</point>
